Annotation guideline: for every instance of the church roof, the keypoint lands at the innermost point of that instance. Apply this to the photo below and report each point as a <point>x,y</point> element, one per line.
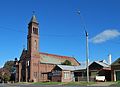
<point>33,19</point>
<point>56,59</point>
<point>52,58</point>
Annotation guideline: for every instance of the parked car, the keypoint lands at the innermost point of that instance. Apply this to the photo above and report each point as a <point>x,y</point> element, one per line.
<point>100,78</point>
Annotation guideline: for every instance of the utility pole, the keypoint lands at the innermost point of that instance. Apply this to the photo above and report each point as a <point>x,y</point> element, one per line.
<point>38,71</point>
<point>87,54</point>
<point>87,49</point>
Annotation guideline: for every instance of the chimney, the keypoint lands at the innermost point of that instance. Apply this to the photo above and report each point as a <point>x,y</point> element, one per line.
<point>109,59</point>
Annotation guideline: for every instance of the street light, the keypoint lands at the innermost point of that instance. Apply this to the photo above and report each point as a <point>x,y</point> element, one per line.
<point>87,51</point>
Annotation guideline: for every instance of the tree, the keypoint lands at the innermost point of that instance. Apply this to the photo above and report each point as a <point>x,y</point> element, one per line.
<point>8,65</point>
<point>7,72</point>
<point>66,62</point>
<point>4,74</point>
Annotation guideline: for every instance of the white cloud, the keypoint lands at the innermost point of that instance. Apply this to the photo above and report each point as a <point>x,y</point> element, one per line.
<point>105,35</point>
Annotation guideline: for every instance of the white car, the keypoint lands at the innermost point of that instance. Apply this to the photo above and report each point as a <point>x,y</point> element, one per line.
<point>100,78</point>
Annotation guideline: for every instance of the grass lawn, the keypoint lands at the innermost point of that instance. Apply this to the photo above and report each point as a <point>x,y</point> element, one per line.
<point>80,83</point>
<point>65,83</point>
<point>49,83</point>
<point>117,83</point>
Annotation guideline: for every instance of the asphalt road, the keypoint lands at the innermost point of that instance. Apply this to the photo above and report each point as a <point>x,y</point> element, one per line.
<point>30,85</point>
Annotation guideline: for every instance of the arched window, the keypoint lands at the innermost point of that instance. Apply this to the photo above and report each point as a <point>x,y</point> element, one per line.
<point>35,45</point>
<point>35,30</point>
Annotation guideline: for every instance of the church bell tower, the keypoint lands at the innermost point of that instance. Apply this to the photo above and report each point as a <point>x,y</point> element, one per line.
<point>33,46</point>
<point>33,36</point>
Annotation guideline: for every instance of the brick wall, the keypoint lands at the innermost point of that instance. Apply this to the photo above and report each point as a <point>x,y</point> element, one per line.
<point>40,71</point>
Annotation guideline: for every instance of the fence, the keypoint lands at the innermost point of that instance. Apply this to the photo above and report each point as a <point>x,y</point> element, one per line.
<point>79,78</point>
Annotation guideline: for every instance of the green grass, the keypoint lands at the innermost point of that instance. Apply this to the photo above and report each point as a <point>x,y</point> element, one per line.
<point>117,83</point>
<point>80,83</point>
<point>24,82</point>
<point>49,83</point>
<point>65,83</point>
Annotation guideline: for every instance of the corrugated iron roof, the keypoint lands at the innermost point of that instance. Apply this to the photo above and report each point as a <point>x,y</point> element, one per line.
<point>56,59</point>
<point>71,68</point>
<point>102,63</point>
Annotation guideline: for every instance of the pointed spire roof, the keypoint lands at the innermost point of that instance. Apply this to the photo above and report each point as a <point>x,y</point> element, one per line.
<point>33,19</point>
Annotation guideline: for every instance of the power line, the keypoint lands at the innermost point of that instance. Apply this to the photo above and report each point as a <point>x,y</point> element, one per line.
<point>11,29</point>
<point>42,35</point>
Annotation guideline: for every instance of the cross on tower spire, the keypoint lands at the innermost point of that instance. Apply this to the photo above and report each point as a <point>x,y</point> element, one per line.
<point>33,19</point>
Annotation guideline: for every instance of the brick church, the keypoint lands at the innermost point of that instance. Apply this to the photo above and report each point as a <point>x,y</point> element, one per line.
<point>35,66</point>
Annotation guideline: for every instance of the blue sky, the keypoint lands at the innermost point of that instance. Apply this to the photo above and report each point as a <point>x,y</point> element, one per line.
<point>61,28</point>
